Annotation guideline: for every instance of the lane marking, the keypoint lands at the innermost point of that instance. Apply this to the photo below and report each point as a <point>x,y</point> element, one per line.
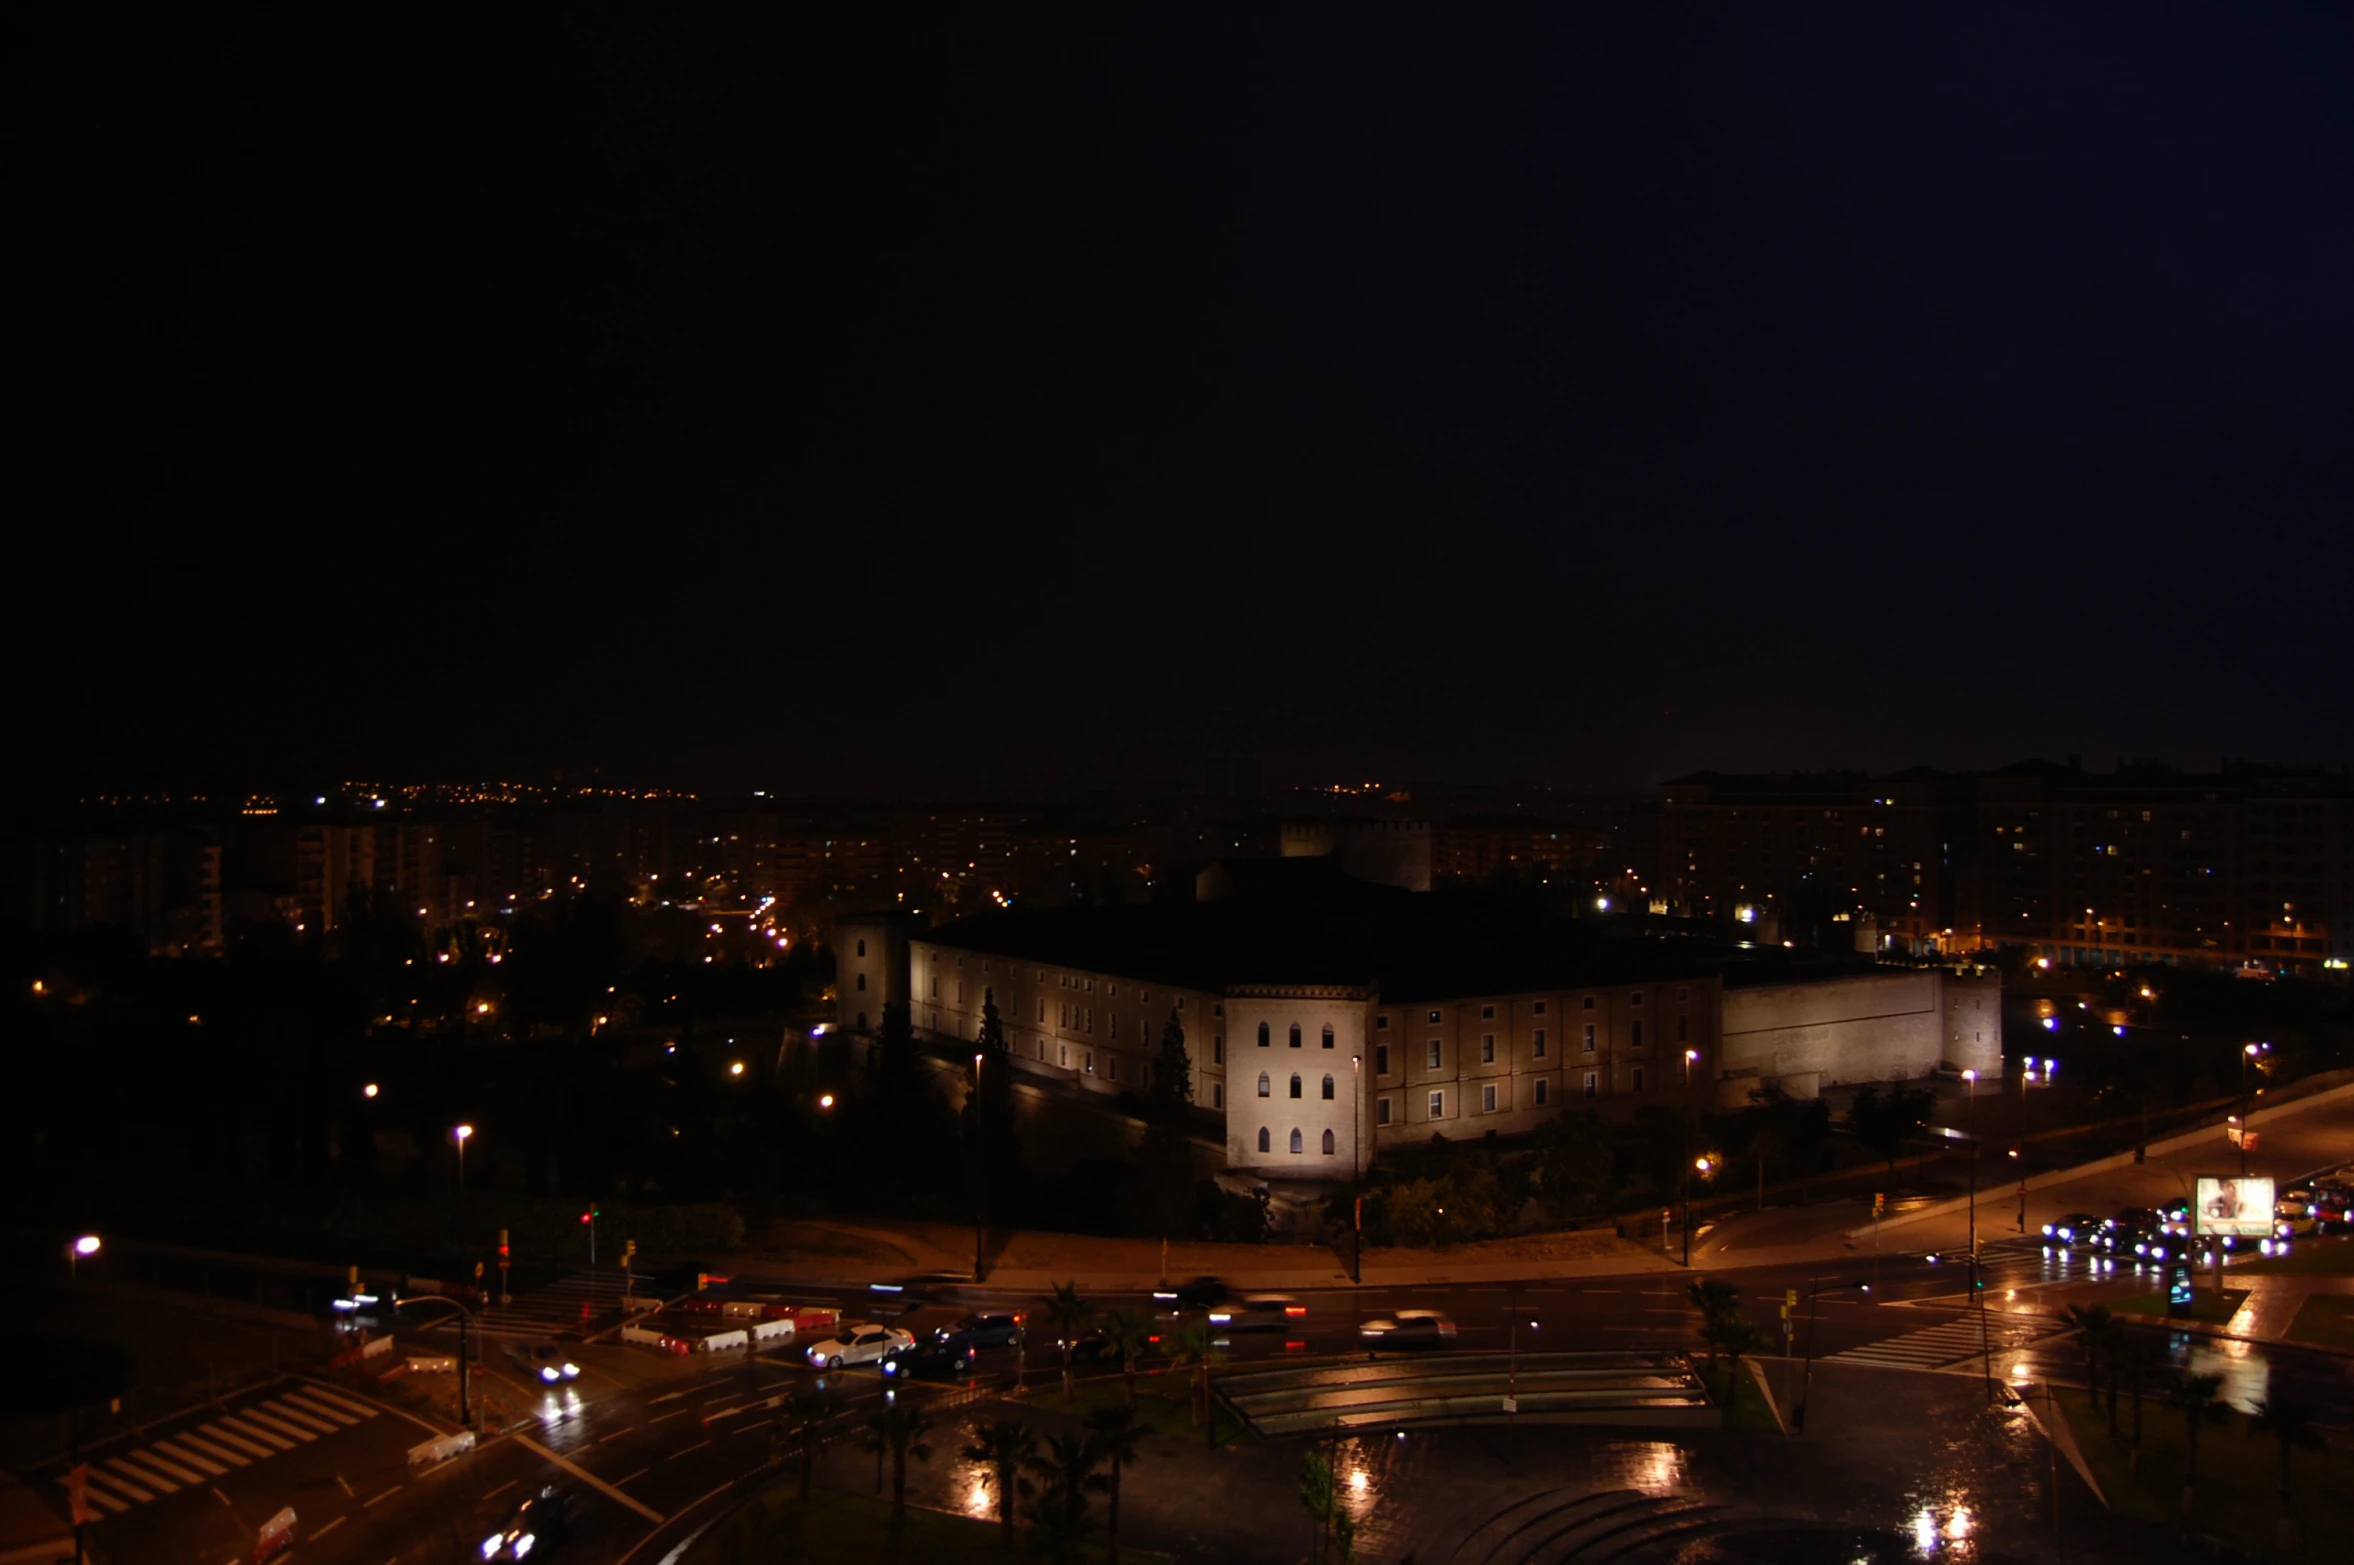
<point>378,1407</point>
<point>156,1459</point>
<point>615,1435</point>
<point>347,1489</point>
<point>300,1419</point>
<point>224,1499</point>
<point>224,1436</point>
<point>667,1396</point>
<point>592,1480</point>
<point>330,1527</point>
<point>676,1412</point>
<point>501,1489</point>
<point>689,1451</point>
<point>386,1495</point>
<point>640,1473</point>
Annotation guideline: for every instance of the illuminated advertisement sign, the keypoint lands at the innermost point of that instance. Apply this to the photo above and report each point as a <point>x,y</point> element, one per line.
<point>2229,1205</point>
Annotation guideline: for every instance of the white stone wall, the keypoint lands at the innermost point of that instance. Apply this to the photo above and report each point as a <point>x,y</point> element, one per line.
<point>1892,1025</point>
<point>1345,1114</point>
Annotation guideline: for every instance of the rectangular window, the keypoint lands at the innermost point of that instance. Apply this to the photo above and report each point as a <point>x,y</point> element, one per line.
<point>1634,1035</point>
<point>1062,1055</point>
<point>1537,1009</point>
<point>1683,1029</point>
<point>1090,1062</point>
<point>1543,1095</point>
<point>1381,1059</point>
<point>1487,1098</point>
<point>1636,998</point>
<point>1487,1013</point>
<point>1218,1049</point>
<point>1217,1094</point>
<point>1438,1105</point>
<point>1593,1082</point>
<point>1381,1112</point>
<point>1487,1048</point>
<point>960,991</point>
<point>1589,1002</point>
<point>1683,994</point>
<point>1111,1066</point>
<point>1381,1024</point>
<point>1589,1037</point>
<point>1434,1053</point>
<point>935,986</point>
<point>1114,1020</point>
<point>1434,1016</point>
<point>1536,1044</point>
<point>1638,1078</point>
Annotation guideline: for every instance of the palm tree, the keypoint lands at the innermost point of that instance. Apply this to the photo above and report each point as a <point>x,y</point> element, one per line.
<point>1057,1513</point>
<point>2116,1346</point>
<point>1003,1447</point>
<point>2092,1325</point>
<point>2194,1396</point>
<point>1196,1344</point>
<point>1716,1301</point>
<point>899,1429</point>
<point>806,1423</point>
<point>1119,1439</point>
<point>2137,1364</point>
<point>1739,1339</point>
<point>1128,1334</point>
<point>2289,1421</point>
<point>1069,1315</point>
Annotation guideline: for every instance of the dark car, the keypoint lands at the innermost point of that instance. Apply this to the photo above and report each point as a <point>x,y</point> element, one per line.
<point>1260,1312</point>
<point>537,1526</point>
<point>542,1360</point>
<point>990,1328</point>
<point>2133,1217</point>
<point>920,1285</point>
<point>949,1354</point>
<point>1199,1294</point>
<point>1095,1347</point>
<point>2071,1228</point>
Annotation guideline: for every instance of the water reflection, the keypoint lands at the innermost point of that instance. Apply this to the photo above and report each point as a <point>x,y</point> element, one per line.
<point>2247,1377</point>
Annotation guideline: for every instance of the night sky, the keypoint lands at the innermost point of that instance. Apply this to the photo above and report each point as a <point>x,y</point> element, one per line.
<point>736,395</point>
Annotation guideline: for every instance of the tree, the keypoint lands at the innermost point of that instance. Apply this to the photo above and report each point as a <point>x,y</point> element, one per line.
<point>1320,1498</point>
<point>1196,1344</point>
<point>1128,1334</point>
<point>1069,1315</point>
<point>1718,1302</point>
<point>993,1147</point>
<point>1002,1447</point>
<point>2194,1396</point>
<point>899,1429</point>
<point>1118,1435</point>
<point>1168,1141</point>
<point>805,1425</point>
<point>2289,1421</point>
<point>1572,1162</point>
<point>2092,1325</point>
<point>1739,1339</point>
<point>1884,1124</point>
<point>1057,1513</point>
<point>2136,1364</point>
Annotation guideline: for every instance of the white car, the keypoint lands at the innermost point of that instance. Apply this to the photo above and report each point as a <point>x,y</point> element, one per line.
<point>860,1342</point>
<point>1408,1329</point>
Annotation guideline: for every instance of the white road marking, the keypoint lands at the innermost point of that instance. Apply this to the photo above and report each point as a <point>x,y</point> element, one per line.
<point>386,1495</point>
<point>318,1407</point>
<point>300,1419</point>
<point>688,1451</point>
<point>263,1427</point>
<point>592,1480</point>
<point>125,1484</point>
<point>330,1527</point>
<point>220,1433</point>
<point>151,1473</point>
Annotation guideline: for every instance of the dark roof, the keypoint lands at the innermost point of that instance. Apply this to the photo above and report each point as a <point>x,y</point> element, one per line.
<point>1411,947</point>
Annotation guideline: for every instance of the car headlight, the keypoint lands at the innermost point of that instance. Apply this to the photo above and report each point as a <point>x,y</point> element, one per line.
<point>550,1374</point>
<point>2047,1230</point>
<point>490,1545</point>
<point>523,1544</point>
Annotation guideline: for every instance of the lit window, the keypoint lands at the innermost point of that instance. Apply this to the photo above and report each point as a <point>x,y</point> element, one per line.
<point>1589,1037</point>
<point>1435,1048</point>
<point>1593,1083</point>
<point>1434,1016</point>
<point>1438,1105</point>
<point>1266,1087</point>
<point>1536,1044</point>
<point>1297,1144</point>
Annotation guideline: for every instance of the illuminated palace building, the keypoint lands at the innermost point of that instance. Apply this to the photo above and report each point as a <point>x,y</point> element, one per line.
<point>1325,1016</point>
<point>2248,868</point>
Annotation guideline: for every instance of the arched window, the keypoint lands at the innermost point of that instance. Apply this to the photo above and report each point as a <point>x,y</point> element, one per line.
<point>862,948</point>
<point>862,1021</point>
<point>862,981</point>
<point>1295,1035</point>
<point>1328,1143</point>
<point>1328,1035</point>
<point>1265,1086</point>
<point>1266,1144</point>
<point>1328,1087</point>
<point>1297,1146</point>
<point>1262,1035</point>
<point>1295,1084</point>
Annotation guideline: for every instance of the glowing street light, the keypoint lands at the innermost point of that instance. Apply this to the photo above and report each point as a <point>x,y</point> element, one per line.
<point>368,1091</point>
<point>87,1244</point>
<point>825,1100</point>
<point>736,1069</point>
<point>461,1134</point>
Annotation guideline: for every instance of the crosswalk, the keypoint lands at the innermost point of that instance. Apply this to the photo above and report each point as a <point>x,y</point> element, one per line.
<point>1956,1340</point>
<point>195,1456</point>
<point>572,1303</point>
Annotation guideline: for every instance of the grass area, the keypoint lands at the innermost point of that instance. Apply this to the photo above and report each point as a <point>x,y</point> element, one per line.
<point>1164,1402</point>
<point>2326,1320</point>
<point>831,1526</point>
<point>2239,1478</point>
<point>2332,1257</point>
<point>2206,1304</point>
<point>1748,1409</point>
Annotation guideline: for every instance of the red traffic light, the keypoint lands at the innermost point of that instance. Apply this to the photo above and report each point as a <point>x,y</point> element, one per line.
<point>586,1216</point>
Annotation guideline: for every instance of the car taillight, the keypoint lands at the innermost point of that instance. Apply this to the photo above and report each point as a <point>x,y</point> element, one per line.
<point>1295,1311</point>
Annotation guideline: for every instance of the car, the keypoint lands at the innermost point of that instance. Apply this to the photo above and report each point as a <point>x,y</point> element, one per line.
<point>919,1285</point>
<point>1407,1329</point>
<point>2175,1215</point>
<point>1200,1293</point>
<point>2147,1243</point>
<point>859,1342</point>
<point>537,1525</point>
<point>2295,1214</point>
<point>990,1328</point>
<point>2071,1228</point>
<point>1095,1347</point>
<point>1260,1312</point>
<point>543,1361</point>
<point>2136,1217</point>
<point>949,1353</point>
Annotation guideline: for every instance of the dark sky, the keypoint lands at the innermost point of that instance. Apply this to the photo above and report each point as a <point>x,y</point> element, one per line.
<point>735,395</point>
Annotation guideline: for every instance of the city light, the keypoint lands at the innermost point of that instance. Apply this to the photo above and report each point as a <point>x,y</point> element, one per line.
<point>825,1100</point>
<point>461,1133</point>
<point>88,1244</point>
<point>368,1091</point>
<point>736,1069</point>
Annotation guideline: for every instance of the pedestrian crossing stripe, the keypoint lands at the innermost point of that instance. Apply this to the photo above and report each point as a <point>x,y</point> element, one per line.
<point>1953,1342</point>
<point>186,1459</point>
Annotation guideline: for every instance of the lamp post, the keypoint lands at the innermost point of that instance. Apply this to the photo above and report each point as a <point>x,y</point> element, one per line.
<point>1970,1094</point>
<point>1357,1169</point>
<point>1806,1384</point>
<point>461,1134</point>
<point>87,1244</point>
<point>1705,1166</point>
<point>465,1357</point>
<point>980,1171</point>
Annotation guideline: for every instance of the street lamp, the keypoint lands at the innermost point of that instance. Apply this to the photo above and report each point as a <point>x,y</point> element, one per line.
<point>1357,1169</point>
<point>368,1091</point>
<point>461,1134</point>
<point>1705,1166</point>
<point>87,1244</point>
<point>980,1170</point>
<point>1691,1058</point>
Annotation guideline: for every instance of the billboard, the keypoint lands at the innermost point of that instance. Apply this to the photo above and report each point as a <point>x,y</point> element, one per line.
<point>2234,1205</point>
